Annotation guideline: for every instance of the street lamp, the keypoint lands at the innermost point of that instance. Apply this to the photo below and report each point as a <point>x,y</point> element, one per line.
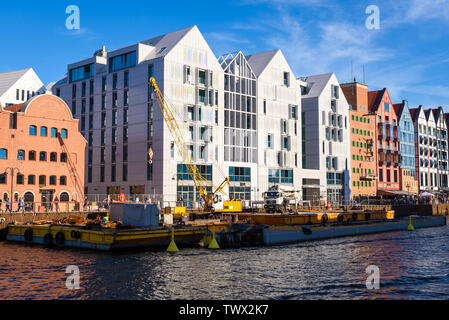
<point>12,181</point>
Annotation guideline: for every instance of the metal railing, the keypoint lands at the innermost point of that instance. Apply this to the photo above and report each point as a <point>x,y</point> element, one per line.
<point>43,207</point>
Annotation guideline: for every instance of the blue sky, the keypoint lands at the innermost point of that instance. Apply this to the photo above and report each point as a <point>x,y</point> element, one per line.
<point>409,54</point>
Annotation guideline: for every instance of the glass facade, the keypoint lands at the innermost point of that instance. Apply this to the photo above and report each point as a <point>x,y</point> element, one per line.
<point>204,170</point>
<point>239,110</point>
<point>123,61</point>
<point>237,174</point>
<point>81,73</point>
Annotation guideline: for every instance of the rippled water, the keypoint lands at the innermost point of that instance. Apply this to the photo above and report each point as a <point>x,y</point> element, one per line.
<point>412,266</point>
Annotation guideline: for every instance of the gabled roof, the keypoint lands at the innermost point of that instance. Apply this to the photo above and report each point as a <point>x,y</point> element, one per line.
<point>8,79</point>
<point>15,108</point>
<point>437,113</point>
<point>446,117</point>
<point>374,99</point>
<point>165,43</point>
<point>414,113</point>
<point>316,84</point>
<point>427,113</point>
<point>225,60</point>
<point>398,108</point>
<point>259,61</point>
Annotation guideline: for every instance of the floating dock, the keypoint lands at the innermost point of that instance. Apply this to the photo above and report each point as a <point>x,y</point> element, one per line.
<point>104,239</point>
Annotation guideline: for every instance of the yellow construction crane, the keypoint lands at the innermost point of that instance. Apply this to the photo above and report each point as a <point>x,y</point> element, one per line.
<point>212,202</point>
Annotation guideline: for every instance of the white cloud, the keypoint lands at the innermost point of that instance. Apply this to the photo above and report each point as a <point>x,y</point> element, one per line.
<point>428,10</point>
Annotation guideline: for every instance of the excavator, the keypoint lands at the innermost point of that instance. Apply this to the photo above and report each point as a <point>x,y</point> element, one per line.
<point>213,202</point>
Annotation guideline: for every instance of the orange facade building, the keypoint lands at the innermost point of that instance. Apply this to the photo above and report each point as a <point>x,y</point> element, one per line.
<point>388,171</point>
<point>363,142</point>
<point>41,155</point>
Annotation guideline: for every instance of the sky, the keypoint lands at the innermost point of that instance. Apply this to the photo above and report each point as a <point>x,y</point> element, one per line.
<point>408,54</point>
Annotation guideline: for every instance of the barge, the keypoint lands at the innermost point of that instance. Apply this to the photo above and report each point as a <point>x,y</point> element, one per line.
<point>104,239</point>
<point>248,235</point>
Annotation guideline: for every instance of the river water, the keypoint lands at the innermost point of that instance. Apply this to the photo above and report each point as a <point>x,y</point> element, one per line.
<point>413,265</point>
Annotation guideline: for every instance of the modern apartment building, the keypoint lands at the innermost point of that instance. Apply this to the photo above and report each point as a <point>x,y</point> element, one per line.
<point>406,134</point>
<point>227,108</point>
<point>109,92</point>
<point>387,142</point>
<point>363,142</point>
<point>18,86</point>
<point>326,146</point>
<point>278,119</point>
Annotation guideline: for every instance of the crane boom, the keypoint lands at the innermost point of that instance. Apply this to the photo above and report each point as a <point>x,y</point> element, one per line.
<point>200,182</point>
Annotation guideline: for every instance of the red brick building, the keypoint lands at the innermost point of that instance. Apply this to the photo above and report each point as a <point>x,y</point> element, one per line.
<point>41,155</point>
<point>387,142</point>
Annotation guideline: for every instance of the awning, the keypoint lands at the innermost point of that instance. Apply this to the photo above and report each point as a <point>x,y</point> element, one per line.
<point>382,192</point>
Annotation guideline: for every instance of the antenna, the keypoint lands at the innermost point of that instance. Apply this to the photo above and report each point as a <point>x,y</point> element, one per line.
<point>352,70</point>
<point>364,80</point>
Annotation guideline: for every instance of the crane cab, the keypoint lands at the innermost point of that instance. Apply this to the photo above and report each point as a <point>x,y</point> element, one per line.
<point>230,206</point>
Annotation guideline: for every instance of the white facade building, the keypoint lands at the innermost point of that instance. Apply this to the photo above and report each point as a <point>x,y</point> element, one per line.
<point>426,149</point>
<point>219,105</point>
<point>18,86</point>
<point>326,147</point>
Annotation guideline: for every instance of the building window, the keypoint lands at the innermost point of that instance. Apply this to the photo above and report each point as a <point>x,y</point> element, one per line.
<point>42,180</point>
<point>126,79</point>
<point>53,157</point>
<point>202,77</point>
<point>123,61</point>
<point>31,179</point>
<point>52,181</point>
<point>3,154</point>
<point>54,132</point>
<point>113,173</point>
<point>89,174</point>
<point>19,179</point>
<point>125,172</point>
<point>32,155</point>
<point>32,130</point>
<point>43,156</point>
<point>240,174</point>
<point>64,133</point>
<point>21,155</point>
<point>3,178</point>
<point>81,73</point>
<point>63,181</point>
<point>63,157</point>
<point>102,174</point>
<point>286,79</point>
<point>43,131</point>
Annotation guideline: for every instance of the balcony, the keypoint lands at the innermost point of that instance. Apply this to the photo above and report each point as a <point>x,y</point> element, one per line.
<point>368,178</point>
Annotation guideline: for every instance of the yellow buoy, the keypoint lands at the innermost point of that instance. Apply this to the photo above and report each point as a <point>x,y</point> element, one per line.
<point>410,226</point>
<point>172,248</point>
<point>213,243</point>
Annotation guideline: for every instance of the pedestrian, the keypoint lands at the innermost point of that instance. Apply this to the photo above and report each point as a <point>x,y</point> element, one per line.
<point>56,201</point>
<point>86,203</point>
<point>21,205</point>
<point>7,203</point>
<point>147,200</point>
<point>1,210</point>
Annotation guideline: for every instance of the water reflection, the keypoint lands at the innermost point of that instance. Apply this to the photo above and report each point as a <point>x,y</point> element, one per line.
<point>412,266</point>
